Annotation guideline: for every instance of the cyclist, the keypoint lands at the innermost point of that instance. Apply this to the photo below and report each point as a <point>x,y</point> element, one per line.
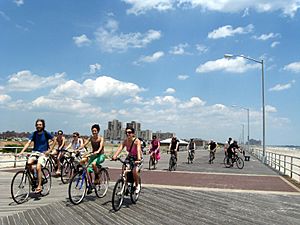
<point>212,151</point>
<point>191,146</point>
<point>76,143</point>
<point>231,150</point>
<point>154,148</point>
<point>59,153</point>
<point>40,139</point>
<point>97,156</point>
<point>227,144</point>
<point>173,147</point>
<point>133,147</point>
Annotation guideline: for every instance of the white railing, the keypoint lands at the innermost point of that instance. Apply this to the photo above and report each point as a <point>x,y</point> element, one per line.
<point>14,161</point>
<point>285,164</point>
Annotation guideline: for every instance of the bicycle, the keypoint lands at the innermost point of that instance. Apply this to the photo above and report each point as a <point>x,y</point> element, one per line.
<point>211,156</point>
<point>190,156</point>
<point>229,161</point>
<point>81,184</point>
<point>125,185</point>
<point>172,161</point>
<point>152,160</point>
<point>24,180</point>
<point>69,167</point>
<point>51,164</point>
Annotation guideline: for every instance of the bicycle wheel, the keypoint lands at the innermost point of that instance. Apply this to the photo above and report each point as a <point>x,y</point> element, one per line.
<point>133,195</point>
<point>77,188</point>
<point>240,163</point>
<point>170,164</point>
<point>50,166</point>
<point>20,187</point>
<point>102,187</point>
<point>227,162</point>
<point>150,162</point>
<point>46,181</point>
<point>67,171</point>
<point>174,163</point>
<point>118,194</point>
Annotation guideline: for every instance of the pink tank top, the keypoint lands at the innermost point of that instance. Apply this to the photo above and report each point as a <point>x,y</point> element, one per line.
<point>133,151</point>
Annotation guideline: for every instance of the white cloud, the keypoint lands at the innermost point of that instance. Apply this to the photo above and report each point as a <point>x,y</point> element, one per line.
<point>182,77</point>
<point>236,65</point>
<point>94,68</point>
<point>281,87</point>
<point>265,37</point>
<point>4,98</point>
<point>26,81</point>
<point>165,100</point>
<point>109,40</point>
<point>227,31</point>
<point>102,86</point>
<point>270,109</point>
<point>65,105</point>
<point>293,67</point>
<point>170,91</point>
<point>82,40</point>
<point>193,102</point>
<point>179,49</point>
<point>140,7</point>
<point>19,2</point>
<point>151,58</point>
<point>4,16</point>
<point>201,48</point>
<point>274,44</point>
<point>287,7</point>
<point>246,12</point>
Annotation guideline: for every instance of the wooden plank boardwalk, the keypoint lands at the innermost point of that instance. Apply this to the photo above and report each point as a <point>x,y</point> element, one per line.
<point>198,193</point>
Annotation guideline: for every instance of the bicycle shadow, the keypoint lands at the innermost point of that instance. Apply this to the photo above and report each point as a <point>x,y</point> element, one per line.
<point>31,198</point>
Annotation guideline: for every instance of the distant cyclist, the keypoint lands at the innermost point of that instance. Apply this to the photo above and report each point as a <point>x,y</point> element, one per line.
<point>174,146</point>
<point>232,150</point>
<point>154,148</point>
<point>97,156</point>
<point>191,146</point>
<point>133,147</point>
<point>76,143</point>
<point>212,151</point>
<point>60,141</point>
<point>227,144</point>
<point>40,139</point>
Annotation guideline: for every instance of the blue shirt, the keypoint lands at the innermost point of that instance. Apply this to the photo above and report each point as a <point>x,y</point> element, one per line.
<point>40,141</point>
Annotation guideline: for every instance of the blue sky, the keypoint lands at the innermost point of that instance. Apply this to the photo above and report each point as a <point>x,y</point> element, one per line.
<point>158,62</point>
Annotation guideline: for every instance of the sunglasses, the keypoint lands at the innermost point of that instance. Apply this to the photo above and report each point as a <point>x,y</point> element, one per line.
<point>128,132</point>
<point>74,136</point>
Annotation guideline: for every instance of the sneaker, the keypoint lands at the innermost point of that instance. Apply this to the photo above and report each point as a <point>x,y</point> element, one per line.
<point>137,189</point>
<point>89,191</point>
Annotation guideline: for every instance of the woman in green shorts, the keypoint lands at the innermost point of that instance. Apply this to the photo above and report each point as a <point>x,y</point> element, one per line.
<point>97,156</point>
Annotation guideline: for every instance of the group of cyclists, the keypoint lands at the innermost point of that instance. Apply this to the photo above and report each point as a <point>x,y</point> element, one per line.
<point>41,150</point>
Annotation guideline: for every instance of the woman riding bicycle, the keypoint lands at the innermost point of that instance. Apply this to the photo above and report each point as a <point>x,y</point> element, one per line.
<point>133,147</point>
<point>173,147</point>
<point>154,148</point>
<point>97,156</point>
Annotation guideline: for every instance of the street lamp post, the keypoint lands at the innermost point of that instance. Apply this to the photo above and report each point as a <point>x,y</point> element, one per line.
<point>263,97</point>
<point>248,125</point>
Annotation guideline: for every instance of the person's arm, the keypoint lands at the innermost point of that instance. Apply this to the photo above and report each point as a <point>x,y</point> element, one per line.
<point>177,146</point>
<point>158,145</point>
<point>120,148</point>
<point>69,146</point>
<point>83,145</point>
<point>24,148</point>
<point>53,139</point>
<point>53,145</point>
<point>139,149</point>
<point>170,146</point>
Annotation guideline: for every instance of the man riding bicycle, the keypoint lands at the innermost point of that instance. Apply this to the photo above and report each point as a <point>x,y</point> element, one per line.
<point>40,151</point>
<point>173,147</point>
<point>133,147</point>
<point>154,148</point>
<point>232,150</point>
<point>191,147</point>
<point>60,141</point>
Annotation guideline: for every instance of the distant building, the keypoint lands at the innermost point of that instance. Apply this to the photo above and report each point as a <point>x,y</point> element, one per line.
<point>254,142</point>
<point>163,136</point>
<point>113,131</point>
<point>146,135</point>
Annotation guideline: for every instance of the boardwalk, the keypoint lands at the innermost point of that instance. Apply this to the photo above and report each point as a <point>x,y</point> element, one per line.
<point>197,193</point>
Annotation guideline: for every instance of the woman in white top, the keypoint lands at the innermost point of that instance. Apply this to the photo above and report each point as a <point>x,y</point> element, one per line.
<point>76,143</point>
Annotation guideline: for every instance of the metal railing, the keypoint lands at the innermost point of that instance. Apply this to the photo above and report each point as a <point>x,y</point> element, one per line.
<point>284,164</point>
<point>15,160</point>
